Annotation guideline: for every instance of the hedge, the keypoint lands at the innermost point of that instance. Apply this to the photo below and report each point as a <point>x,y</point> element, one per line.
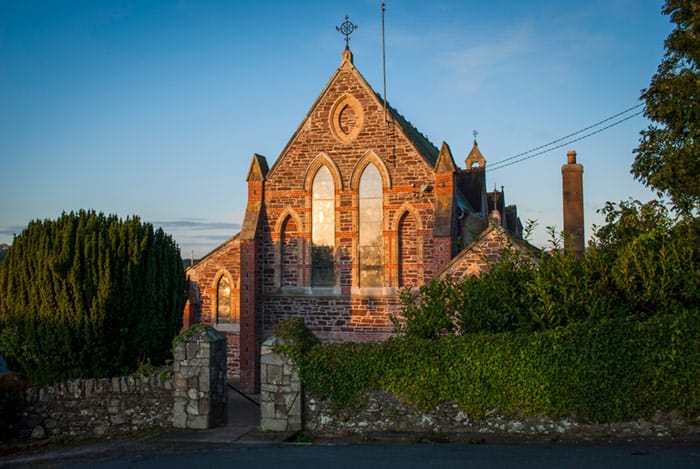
<point>611,370</point>
<point>89,295</point>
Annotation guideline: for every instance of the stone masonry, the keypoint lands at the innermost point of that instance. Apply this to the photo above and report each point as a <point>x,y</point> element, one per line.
<point>280,391</point>
<point>199,379</point>
<point>191,394</point>
<point>89,408</point>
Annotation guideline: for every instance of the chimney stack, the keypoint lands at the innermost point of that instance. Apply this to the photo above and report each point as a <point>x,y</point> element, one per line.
<point>572,193</point>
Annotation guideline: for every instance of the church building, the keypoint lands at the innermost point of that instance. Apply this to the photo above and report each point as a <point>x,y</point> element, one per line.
<point>358,205</point>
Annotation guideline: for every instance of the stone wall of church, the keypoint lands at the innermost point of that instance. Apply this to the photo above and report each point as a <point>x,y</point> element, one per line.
<point>335,318</point>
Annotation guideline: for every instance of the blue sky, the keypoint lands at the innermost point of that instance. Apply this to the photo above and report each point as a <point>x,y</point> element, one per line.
<point>155,108</point>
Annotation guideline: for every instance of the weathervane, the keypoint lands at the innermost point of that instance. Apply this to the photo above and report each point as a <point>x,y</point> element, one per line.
<point>346,29</point>
<point>475,133</point>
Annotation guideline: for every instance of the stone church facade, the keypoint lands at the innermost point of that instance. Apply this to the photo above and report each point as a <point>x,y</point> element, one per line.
<point>358,205</point>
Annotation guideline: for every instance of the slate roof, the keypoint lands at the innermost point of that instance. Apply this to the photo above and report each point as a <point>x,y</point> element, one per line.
<point>421,142</point>
<point>214,251</point>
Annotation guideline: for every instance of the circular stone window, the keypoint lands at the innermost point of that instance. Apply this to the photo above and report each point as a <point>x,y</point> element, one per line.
<point>346,118</point>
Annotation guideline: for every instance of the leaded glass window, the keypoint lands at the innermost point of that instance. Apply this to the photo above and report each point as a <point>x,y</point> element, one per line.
<point>323,229</point>
<point>371,242</point>
<point>223,299</point>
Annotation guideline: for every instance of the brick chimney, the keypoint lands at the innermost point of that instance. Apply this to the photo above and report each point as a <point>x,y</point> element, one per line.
<point>572,193</point>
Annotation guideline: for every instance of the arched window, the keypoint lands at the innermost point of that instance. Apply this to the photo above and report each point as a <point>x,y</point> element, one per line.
<point>408,251</point>
<point>370,219</point>
<point>289,260</point>
<point>323,229</point>
<point>223,299</point>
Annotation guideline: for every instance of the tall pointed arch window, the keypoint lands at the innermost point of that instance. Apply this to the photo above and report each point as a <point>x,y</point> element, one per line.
<point>323,229</point>
<point>370,219</point>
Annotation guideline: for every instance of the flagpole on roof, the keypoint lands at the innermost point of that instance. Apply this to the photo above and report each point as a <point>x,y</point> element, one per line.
<point>384,61</point>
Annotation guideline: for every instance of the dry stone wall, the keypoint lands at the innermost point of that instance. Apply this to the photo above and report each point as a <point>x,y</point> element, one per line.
<point>97,407</point>
<point>191,394</point>
<point>384,413</point>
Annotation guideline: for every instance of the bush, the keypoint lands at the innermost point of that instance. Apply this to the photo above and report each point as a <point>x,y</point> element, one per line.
<point>495,301</point>
<point>89,295</point>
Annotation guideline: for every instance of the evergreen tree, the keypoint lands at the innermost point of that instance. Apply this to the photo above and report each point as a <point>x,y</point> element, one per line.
<point>89,295</point>
<point>668,156</point>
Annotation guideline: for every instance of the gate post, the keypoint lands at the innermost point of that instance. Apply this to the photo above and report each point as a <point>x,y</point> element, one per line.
<point>199,378</point>
<point>280,390</point>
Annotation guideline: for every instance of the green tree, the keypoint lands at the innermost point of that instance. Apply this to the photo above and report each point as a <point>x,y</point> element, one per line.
<point>89,295</point>
<point>668,156</point>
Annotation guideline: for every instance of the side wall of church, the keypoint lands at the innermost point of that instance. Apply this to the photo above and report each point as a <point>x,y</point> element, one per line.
<point>206,274</point>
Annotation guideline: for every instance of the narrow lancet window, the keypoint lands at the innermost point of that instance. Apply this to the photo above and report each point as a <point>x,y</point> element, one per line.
<point>370,217</point>
<point>323,229</point>
<point>223,299</point>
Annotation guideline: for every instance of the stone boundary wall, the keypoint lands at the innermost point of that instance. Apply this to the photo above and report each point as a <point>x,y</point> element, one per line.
<point>383,412</point>
<point>97,407</point>
<point>190,394</point>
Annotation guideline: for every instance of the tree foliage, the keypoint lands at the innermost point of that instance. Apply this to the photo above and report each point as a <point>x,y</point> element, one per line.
<point>668,156</point>
<point>641,263</point>
<point>89,295</point>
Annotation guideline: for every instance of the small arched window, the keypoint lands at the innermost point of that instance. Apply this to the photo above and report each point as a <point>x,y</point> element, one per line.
<point>323,229</point>
<point>371,252</point>
<point>223,299</point>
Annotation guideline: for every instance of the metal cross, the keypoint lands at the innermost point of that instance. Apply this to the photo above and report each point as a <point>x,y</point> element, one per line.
<point>346,29</point>
<point>475,133</point>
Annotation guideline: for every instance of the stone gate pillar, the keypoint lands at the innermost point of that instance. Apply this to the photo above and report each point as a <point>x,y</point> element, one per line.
<point>199,379</point>
<point>280,391</point>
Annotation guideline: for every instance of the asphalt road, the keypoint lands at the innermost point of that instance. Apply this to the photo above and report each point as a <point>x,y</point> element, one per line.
<point>404,456</point>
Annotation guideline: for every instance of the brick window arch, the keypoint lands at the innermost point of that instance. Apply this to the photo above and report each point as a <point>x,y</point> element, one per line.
<point>409,236</point>
<point>370,218</point>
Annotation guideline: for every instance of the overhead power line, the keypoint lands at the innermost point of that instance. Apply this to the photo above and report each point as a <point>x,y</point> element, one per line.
<point>546,148</point>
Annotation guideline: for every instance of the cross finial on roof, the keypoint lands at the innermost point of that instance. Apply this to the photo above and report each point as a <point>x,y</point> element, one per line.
<point>475,133</point>
<point>346,29</point>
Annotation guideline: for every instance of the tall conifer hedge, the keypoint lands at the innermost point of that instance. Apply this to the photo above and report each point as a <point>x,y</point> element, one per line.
<point>89,295</point>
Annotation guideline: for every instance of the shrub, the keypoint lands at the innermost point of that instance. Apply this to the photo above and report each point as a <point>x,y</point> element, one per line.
<point>496,300</point>
<point>89,295</point>
<point>428,313</point>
